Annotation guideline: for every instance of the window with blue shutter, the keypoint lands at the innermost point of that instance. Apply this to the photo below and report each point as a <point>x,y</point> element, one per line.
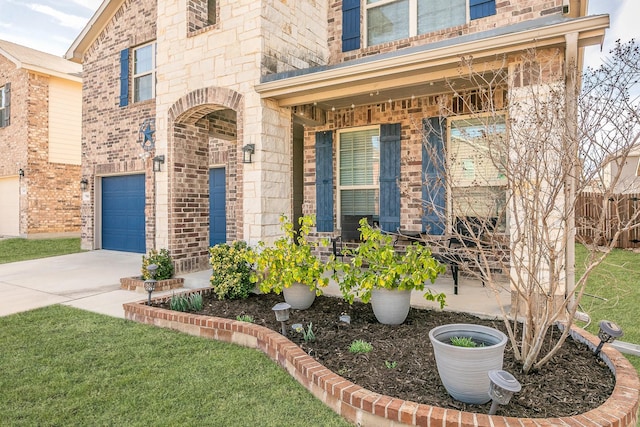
<point>324,181</point>
<point>124,77</point>
<point>433,185</point>
<point>389,176</point>
<point>481,8</point>
<point>350,25</point>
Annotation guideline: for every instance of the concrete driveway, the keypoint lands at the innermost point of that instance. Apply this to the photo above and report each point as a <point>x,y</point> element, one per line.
<point>87,280</point>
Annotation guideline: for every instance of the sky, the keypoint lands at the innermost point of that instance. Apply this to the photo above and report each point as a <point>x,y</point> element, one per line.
<point>52,25</point>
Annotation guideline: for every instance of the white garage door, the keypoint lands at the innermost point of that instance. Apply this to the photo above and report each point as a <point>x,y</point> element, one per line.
<point>9,206</point>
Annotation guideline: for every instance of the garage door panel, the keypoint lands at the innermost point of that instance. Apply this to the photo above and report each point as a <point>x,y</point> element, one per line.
<point>123,221</point>
<point>10,206</point>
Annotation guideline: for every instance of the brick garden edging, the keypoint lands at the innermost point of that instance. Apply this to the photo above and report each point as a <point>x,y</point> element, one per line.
<point>364,407</point>
<point>137,284</point>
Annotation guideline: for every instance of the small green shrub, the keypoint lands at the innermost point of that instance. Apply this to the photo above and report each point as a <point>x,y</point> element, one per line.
<point>184,303</point>
<point>231,264</point>
<point>464,342</point>
<point>164,262</point>
<point>245,318</point>
<point>308,335</point>
<point>390,365</point>
<point>360,346</point>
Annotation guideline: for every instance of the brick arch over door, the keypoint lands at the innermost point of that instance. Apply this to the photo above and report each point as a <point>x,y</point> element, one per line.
<point>204,131</point>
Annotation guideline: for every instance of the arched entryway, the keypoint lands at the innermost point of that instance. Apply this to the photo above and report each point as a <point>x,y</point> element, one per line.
<point>205,171</point>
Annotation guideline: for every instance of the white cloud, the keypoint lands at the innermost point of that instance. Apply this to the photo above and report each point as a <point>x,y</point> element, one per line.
<point>92,5</point>
<point>64,19</point>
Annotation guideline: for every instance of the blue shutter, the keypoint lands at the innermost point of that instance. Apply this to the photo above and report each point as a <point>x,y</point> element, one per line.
<point>481,8</point>
<point>389,176</point>
<point>433,185</point>
<point>124,77</point>
<point>350,25</point>
<point>324,181</point>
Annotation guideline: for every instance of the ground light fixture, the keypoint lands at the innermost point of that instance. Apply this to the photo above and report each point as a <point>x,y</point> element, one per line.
<point>609,332</point>
<point>503,386</point>
<point>282,314</point>
<point>150,284</point>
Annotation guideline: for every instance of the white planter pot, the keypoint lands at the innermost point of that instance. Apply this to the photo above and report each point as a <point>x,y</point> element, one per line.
<point>390,306</point>
<point>464,370</point>
<point>299,296</point>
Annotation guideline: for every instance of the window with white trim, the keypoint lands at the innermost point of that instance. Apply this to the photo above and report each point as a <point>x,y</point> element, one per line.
<point>389,20</point>
<point>476,154</point>
<point>144,72</point>
<point>358,174</point>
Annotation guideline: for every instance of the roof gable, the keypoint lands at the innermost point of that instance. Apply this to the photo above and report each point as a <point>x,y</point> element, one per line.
<point>41,62</point>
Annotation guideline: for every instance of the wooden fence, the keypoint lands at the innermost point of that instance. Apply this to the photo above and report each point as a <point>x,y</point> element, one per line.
<point>597,219</point>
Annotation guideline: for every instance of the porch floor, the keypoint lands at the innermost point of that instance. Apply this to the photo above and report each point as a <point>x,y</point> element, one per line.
<point>472,297</point>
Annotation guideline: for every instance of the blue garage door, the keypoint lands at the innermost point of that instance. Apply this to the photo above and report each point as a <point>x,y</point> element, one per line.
<point>123,221</point>
<point>217,210</point>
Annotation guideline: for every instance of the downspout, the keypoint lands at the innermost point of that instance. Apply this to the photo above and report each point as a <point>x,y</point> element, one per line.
<point>571,109</point>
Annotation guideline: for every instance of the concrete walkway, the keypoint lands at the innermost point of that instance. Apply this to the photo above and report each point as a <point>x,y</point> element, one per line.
<point>91,281</point>
<point>86,280</point>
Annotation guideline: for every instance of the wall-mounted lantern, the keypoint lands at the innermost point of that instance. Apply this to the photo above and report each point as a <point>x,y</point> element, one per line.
<point>247,151</point>
<point>21,172</point>
<point>157,161</point>
<point>84,184</point>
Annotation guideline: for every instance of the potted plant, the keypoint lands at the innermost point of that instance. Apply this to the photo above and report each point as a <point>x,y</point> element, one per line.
<point>465,353</point>
<point>377,272</point>
<point>291,266</point>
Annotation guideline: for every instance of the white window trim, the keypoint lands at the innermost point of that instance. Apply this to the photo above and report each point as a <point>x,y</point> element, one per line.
<point>2,97</point>
<point>339,187</point>
<point>152,72</point>
<point>413,18</point>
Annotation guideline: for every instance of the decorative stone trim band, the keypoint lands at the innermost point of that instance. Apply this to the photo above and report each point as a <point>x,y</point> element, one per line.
<point>137,284</point>
<point>364,407</point>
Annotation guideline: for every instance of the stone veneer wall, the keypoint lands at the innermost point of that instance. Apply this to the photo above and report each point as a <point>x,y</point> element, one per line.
<point>365,407</point>
<point>49,192</point>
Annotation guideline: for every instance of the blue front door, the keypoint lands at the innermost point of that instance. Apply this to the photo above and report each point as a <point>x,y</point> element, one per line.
<point>217,209</point>
<point>123,221</point>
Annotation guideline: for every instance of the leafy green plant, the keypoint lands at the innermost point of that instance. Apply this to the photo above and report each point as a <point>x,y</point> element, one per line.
<point>390,365</point>
<point>164,262</point>
<point>291,259</point>
<point>360,346</point>
<point>245,318</point>
<point>231,265</point>
<point>308,335</point>
<point>376,263</point>
<point>464,342</point>
<point>184,303</point>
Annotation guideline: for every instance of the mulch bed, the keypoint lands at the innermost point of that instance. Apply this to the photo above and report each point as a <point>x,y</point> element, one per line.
<point>402,364</point>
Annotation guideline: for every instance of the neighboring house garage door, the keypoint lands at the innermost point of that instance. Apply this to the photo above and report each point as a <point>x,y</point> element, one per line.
<point>123,220</point>
<point>9,206</point>
<point>217,211</point>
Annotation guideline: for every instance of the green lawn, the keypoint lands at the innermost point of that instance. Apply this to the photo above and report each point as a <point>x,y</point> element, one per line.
<point>63,366</point>
<point>614,294</point>
<point>12,250</point>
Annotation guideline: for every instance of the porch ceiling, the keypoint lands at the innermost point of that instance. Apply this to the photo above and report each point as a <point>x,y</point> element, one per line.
<point>423,70</point>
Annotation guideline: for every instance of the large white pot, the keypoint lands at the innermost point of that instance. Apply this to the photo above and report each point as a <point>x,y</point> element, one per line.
<point>464,370</point>
<point>299,296</point>
<point>390,306</point>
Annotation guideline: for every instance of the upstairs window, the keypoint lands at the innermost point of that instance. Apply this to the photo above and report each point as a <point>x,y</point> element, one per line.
<point>144,72</point>
<point>389,20</point>
<point>5,102</point>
